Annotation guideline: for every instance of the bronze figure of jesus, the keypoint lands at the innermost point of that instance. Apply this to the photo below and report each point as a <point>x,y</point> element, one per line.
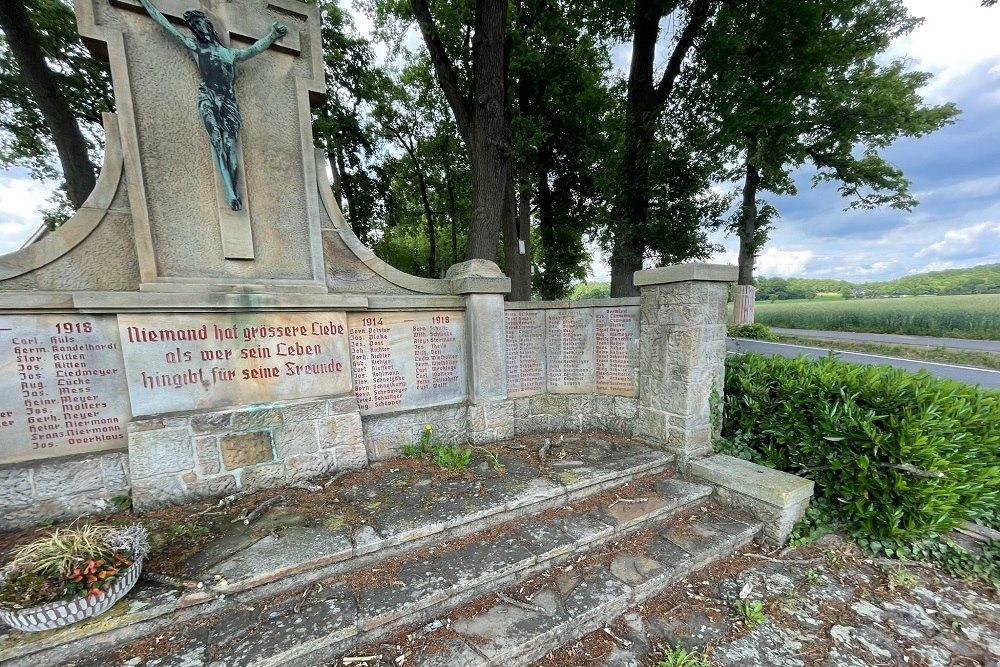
<point>216,94</point>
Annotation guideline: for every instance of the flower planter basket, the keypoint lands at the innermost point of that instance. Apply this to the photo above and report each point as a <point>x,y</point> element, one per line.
<point>63,612</point>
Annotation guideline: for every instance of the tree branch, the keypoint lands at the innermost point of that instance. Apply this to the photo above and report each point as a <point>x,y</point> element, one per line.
<point>697,18</point>
<point>445,69</point>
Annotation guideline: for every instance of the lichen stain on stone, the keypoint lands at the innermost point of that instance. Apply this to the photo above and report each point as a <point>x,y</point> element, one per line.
<point>567,477</point>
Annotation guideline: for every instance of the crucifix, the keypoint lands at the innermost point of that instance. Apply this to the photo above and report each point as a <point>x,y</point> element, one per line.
<point>230,72</point>
<point>217,96</point>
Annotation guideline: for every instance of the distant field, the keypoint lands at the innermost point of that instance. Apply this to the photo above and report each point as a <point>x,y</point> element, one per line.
<point>972,316</point>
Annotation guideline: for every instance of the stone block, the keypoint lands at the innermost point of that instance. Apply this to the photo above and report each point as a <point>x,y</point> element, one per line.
<point>263,477</point>
<point>211,422</point>
<point>296,438</point>
<point>246,449</point>
<point>159,452</point>
<point>777,499</point>
<point>749,479</point>
<point>653,424</point>
<point>724,273</point>
<point>206,452</point>
<point>213,487</point>
<point>115,474</point>
<point>148,494</point>
<point>352,457</point>
<point>256,418</point>
<point>137,425</point>
<point>15,488</point>
<point>308,466</point>
<point>301,412</point>
<point>342,405</point>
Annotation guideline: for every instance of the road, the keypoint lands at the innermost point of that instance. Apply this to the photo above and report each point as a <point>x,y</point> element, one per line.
<point>984,377</point>
<point>896,339</point>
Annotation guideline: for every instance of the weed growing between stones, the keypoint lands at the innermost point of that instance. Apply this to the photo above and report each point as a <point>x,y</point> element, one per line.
<point>447,457</point>
<point>679,657</point>
<point>751,612</point>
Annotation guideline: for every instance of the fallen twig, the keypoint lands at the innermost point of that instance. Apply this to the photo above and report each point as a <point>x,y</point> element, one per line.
<point>361,658</point>
<point>802,561</point>
<point>543,452</point>
<point>302,600</point>
<point>333,479</point>
<point>307,486</point>
<point>260,509</point>
<point>627,500</point>
<point>624,642</point>
<point>893,561</point>
<point>523,605</point>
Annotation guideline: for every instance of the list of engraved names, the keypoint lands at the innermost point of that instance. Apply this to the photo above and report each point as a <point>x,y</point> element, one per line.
<point>63,386</point>
<point>525,343</point>
<point>573,350</point>
<point>407,360</point>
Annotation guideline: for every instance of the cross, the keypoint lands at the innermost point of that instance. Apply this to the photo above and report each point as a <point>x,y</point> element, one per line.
<point>169,160</point>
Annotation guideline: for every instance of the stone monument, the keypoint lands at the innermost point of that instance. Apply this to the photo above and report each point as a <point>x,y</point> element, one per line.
<point>166,342</point>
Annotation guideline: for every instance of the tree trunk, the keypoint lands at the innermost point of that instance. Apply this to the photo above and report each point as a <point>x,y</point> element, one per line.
<point>78,171</point>
<point>644,103</point>
<point>743,306</point>
<point>517,265</point>
<point>481,116</point>
<point>452,215</point>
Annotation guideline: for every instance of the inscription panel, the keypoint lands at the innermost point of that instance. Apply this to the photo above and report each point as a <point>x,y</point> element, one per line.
<point>616,350</point>
<point>63,386</point>
<point>573,350</point>
<point>525,342</point>
<point>569,350</point>
<point>182,362</point>
<point>409,360</point>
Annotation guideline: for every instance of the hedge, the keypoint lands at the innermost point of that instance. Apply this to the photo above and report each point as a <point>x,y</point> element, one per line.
<point>899,455</point>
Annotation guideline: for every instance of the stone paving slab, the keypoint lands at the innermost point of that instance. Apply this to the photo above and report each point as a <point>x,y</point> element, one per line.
<point>819,612</point>
<point>408,507</point>
<point>580,600</point>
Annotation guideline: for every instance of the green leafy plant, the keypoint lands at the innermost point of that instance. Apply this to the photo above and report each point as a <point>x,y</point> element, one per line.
<point>122,502</point>
<point>677,656</point>
<point>452,458</point>
<point>755,331</point>
<point>68,562</point>
<point>493,457</point>
<point>896,455</point>
<point>188,530</point>
<point>751,612</point>
<point>900,577</point>
<point>813,578</point>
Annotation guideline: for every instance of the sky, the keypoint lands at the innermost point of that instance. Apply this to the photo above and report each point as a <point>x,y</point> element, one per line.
<point>955,174</point>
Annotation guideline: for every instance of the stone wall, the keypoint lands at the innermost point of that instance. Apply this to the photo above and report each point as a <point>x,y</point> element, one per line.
<point>62,489</point>
<point>209,454</point>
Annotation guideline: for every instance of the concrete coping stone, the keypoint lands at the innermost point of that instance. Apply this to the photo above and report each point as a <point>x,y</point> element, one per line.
<point>679,273</point>
<point>619,302</point>
<point>756,481</point>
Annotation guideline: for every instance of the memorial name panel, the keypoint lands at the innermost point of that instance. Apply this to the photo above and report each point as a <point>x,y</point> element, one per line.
<point>569,347</point>
<point>616,350</point>
<point>525,342</point>
<point>183,362</point>
<point>409,360</point>
<point>63,386</point>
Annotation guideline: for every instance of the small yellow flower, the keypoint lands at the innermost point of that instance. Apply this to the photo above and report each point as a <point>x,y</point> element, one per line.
<point>427,427</point>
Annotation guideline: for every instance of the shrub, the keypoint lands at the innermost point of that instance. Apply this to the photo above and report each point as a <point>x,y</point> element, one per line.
<point>755,331</point>
<point>897,455</point>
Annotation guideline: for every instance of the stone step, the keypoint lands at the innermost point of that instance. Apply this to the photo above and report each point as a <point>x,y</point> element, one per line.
<point>331,617</point>
<point>394,512</point>
<point>567,603</point>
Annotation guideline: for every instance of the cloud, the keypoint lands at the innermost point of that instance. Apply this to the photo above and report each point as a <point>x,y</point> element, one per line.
<point>783,263</point>
<point>21,199</point>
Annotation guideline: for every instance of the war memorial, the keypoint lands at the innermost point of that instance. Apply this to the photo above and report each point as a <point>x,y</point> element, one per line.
<point>207,324</point>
